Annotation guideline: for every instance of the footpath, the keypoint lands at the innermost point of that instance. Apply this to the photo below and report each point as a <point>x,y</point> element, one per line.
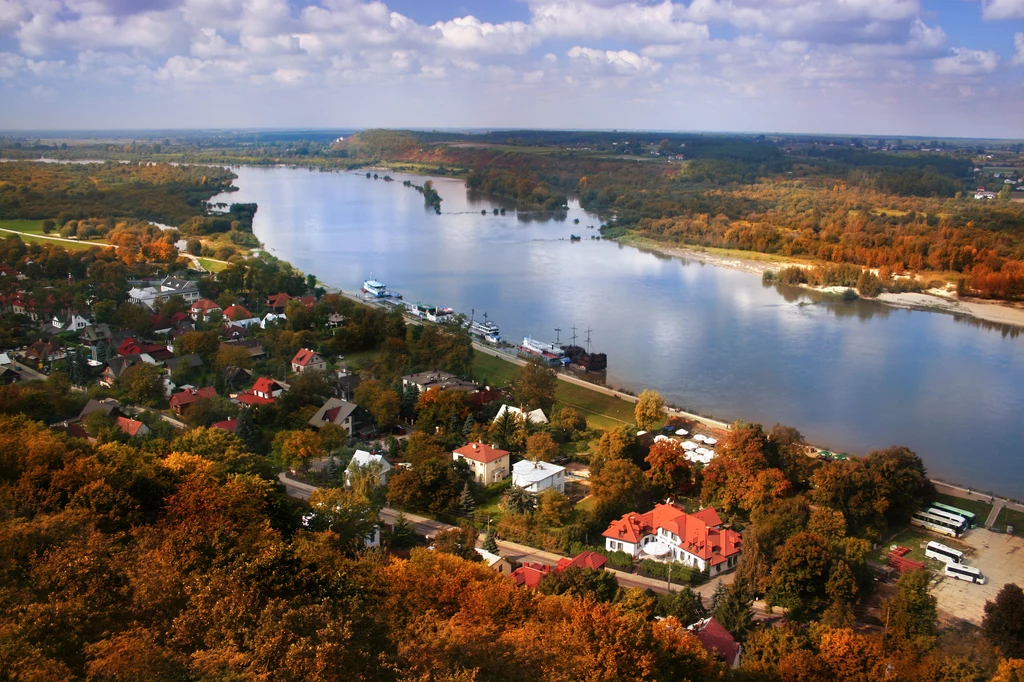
<point>969,494</point>
<point>428,527</point>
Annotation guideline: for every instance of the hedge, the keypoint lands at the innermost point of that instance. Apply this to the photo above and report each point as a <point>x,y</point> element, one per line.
<point>680,573</point>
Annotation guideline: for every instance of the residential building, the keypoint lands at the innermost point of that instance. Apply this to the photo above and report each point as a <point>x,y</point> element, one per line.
<point>203,309</point>
<point>533,416</point>
<point>277,302</point>
<point>44,351</point>
<point>335,320</point>
<point>667,533</point>
<point>494,562</point>
<point>345,384</point>
<point>337,411</point>
<point>97,337</point>
<point>70,322</point>
<point>131,427</point>
<point>183,400</point>
<point>438,379</point>
<point>192,361</point>
<point>107,406</point>
<point>226,425</point>
<point>236,313</point>
<point>236,377</point>
<point>538,476</point>
<point>272,318</point>
<point>308,360</point>
<point>362,458</point>
<point>530,574</point>
<point>488,463</point>
<point>252,346</point>
<point>179,286</point>
<point>8,375</point>
<point>588,559</point>
<point>717,640</point>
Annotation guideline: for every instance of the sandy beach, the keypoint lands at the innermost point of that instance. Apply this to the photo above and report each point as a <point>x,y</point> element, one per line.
<point>933,300</point>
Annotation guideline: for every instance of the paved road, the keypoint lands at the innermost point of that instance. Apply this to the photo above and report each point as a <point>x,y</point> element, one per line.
<point>170,420</point>
<point>27,373</point>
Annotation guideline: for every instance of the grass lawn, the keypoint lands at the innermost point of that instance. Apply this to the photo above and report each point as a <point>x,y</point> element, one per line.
<point>981,509</point>
<point>363,358</point>
<point>602,411</point>
<point>24,226</point>
<point>912,538</point>
<point>212,265</point>
<point>1012,517</point>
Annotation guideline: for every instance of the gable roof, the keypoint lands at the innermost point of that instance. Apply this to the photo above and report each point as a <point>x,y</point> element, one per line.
<point>717,640</point>
<point>250,398</point>
<point>334,411</point>
<point>588,559</point>
<point>481,452</point>
<point>129,426</point>
<point>107,406</point>
<point>306,356</point>
<point>265,385</point>
<point>204,305</point>
<point>278,300</point>
<point>190,395</point>
<point>236,312</point>
<point>226,425</point>
<point>696,535</point>
<point>530,575</point>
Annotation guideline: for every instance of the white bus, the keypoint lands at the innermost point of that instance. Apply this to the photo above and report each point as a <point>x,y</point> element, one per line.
<point>955,518</point>
<point>972,520</point>
<point>961,572</point>
<point>936,524</point>
<point>937,550</point>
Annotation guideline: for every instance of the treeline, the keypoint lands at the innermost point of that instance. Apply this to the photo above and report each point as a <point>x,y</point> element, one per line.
<point>160,192</point>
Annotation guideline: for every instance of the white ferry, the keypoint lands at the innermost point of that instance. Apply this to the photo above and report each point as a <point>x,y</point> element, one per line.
<point>378,289</point>
<point>488,331</point>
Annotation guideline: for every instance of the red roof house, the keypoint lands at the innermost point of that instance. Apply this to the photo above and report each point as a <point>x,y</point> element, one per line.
<point>262,392</point>
<point>530,575</point>
<point>226,425</point>
<point>278,302</point>
<point>203,309</point>
<point>488,463</point>
<point>307,359</point>
<point>717,640</point>
<point>668,533</point>
<point>181,401</point>
<point>236,312</point>
<point>132,427</point>
<point>588,559</point>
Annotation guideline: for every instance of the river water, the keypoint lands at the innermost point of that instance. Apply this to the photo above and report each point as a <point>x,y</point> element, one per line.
<point>853,376</point>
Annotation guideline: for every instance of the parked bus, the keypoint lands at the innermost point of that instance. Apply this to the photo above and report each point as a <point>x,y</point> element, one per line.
<point>955,518</point>
<point>972,520</point>
<point>937,550</point>
<point>936,524</point>
<point>961,572</point>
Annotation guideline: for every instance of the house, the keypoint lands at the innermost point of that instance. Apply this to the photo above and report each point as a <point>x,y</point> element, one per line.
<point>183,400</point>
<point>337,411</point>
<point>5,359</point>
<point>107,406</point>
<point>494,562</point>
<point>538,476</point>
<point>345,384</point>
<point>191,361</point>
<point>7,271</point>
<point>71,322</point>
<point>534,416</point>
<point>96,336</point>
<point>8,375</point>
<point>272,318</point>
<point>488,463</point>
<point>71,429</point>
<point>277,302</point>
<point>237,312</point>
<point>44,351</point>
<point>667,533</point>
<point>263,392</point>
<point>362,458</point>
<point>308,360</point>
<point>161,325</point>
<point>984,195</point>
<point>227,425</point>
<point>588,559</point>
<point>131,427</point>
<point>203,309</point>
<point>335,320</point>
<point>530,574</point>
<point>236,377</point>
<point>252,346</point>
<point>179,286</point>
<point>116,366</point>
<point>438,379</point>
<point>233,331</point>
<point>717,640</point>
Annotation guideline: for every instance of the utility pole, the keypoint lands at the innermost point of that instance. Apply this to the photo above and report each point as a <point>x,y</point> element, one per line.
<point>574,335</point>
<point>588,340</point>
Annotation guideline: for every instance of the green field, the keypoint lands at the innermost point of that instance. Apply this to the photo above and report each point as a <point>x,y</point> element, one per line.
<point>1012,517</point>
<point>602,411</point>
<point>23,226</point>
<point>981,509</point>
<point>911,538</point>
<point>212,265</point>
<point>32,231</point>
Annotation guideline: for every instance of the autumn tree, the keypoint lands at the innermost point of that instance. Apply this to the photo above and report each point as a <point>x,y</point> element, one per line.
<point>534,386</point>
<point>297,449</point>
<point>740,478</point>
<point>568,422</point>
<point>649,410</point>
<point>618,443</point>
<point>459,541</point>
<point>1003,623</point>
<point>553,507</point>
<point>437,409</point>
<point>910,615</point>
<point>383,404</point>
<point>581,582</point>
<point>432,485</point>
<point>669,468</point>
<point>619,487</point>
<point>541,447</point>
<point>142,383</point>
<point>203,344</point>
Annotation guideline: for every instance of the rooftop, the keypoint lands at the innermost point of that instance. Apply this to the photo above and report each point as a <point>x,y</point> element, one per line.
<point>481,452</point>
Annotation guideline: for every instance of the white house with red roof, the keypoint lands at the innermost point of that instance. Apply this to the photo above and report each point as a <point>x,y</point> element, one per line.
<point>263,392</point>
<point>717,640</point>
<point>307,360</point>
<point>202,309</point>
<point>183,400</point>
<point>667,533</point>
<point>488,463</point>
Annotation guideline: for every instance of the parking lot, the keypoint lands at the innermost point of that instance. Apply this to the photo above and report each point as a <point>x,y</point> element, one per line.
<point>999,557</point>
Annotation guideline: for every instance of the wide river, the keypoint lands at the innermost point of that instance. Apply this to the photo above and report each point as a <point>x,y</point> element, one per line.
<point>853,376</point>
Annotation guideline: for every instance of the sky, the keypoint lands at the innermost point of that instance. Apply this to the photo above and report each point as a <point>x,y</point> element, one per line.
<point>867,67</point>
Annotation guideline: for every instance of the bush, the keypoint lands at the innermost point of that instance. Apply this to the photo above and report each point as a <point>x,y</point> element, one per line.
<point>656,569</point>
<point>793,275</point>
<point>768,276</point>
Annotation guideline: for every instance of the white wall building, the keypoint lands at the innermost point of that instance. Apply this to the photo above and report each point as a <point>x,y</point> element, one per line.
<point>538,476</point>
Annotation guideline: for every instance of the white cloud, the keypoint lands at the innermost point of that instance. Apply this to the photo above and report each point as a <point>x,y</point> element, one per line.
<point>43,92</point>
<point>618,61</point>
<point>1002,9</point>
<point>1018,44</point>
<point>634,21</point>
<point>964,62</point>
<point>469,33</point>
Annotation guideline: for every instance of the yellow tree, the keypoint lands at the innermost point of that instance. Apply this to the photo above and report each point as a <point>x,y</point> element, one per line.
<point>649,409</point>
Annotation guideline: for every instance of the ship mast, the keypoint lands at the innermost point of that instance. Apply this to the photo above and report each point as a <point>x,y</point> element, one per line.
<point>588,340</point>
<point>558,330</point>
<point>574,335</point>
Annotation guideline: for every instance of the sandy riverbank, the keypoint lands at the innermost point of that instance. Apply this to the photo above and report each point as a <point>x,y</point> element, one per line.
<point>934,301</point>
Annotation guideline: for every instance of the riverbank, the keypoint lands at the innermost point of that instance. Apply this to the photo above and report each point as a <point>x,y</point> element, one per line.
<point>934,300</point>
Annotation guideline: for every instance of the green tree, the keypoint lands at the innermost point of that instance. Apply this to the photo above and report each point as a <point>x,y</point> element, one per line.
<point>684,605</point>
<point>734,610</point>
<point>403,534</point>
<point>518,500</point>
<point>910,615</point>
<point>553,507</point>
<point>509,431</point>
<point>142,383</point>
<point>490,544</point>
<point>204,344</point>
<point>1003,623</point>
<point>649,410</point>
<point>581,582</point>
<point>466,502</point>
<point>245,429</point>
<point>800,576</point>
<point>534,386</point>
<point>432,485</point>
<point>343,514</point>
<point>383,404</point>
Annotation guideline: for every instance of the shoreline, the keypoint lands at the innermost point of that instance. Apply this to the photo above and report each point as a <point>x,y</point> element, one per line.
<point>931,301</point>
